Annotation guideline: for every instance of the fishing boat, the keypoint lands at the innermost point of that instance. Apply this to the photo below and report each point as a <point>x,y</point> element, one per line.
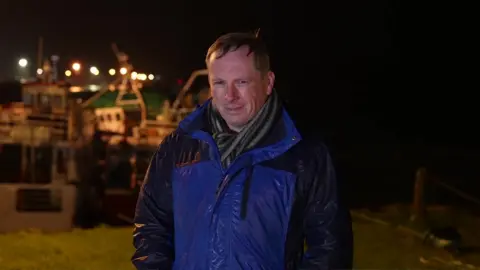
<point>37,155</point>
<point>130,121</point>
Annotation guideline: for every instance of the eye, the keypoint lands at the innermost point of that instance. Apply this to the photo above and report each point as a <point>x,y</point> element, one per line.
<point>242,82</point>
<point>218,83</point>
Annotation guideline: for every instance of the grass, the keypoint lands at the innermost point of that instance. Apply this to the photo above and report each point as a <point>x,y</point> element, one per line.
<point>98,249</point>
<point>376,247</point>
<point>380,247</point>
<point>408,246</point>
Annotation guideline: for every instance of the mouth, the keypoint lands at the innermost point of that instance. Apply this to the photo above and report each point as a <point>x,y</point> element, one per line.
<point>234,109</point>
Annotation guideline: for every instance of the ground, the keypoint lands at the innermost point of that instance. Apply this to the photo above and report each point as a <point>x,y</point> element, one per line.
<point>377,246</point>
<point>97,249</point>
<point>387,238</point>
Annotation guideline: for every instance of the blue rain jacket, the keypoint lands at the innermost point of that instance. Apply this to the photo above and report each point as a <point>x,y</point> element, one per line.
<point>192,214</point>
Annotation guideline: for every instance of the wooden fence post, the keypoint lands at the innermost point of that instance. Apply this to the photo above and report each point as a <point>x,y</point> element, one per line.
<point>418,207</point>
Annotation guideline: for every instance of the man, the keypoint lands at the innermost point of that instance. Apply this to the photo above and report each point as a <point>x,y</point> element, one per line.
<point>236,186</point>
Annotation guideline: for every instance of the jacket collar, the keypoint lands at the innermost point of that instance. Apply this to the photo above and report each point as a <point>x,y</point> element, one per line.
<point>284,136</point>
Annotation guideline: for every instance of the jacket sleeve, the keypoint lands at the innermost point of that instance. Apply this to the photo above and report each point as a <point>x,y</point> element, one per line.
<point>153,232</point>
<point>327,224</point>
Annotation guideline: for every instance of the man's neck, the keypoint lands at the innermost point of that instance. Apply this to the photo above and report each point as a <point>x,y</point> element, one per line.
<point>234,129</point>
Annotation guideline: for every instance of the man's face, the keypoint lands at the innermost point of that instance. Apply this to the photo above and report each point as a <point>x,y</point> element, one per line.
<point>239,90</point>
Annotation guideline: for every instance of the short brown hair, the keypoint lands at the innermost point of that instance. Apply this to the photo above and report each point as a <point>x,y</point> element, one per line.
<point>233,41</point>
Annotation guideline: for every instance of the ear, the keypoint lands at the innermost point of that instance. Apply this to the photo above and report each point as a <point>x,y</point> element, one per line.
<point>270,82</point>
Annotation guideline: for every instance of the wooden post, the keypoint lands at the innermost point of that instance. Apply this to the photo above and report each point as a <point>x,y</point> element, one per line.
<point>418,207</point>
<point>71,110</point>
<point>40,53</point>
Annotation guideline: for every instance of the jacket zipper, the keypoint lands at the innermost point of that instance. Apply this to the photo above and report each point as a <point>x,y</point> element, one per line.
<point>221,187</point>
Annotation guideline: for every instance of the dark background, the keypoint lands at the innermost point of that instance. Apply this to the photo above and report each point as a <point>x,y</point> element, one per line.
<point>388,85</point>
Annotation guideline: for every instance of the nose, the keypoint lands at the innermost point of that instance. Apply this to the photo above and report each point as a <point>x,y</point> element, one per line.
<point>232,93</point>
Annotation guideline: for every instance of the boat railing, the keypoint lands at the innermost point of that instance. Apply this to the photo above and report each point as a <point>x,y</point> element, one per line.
<point>32,132</point>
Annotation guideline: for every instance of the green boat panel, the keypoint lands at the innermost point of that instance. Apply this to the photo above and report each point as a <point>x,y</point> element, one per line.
<point>153,101</point>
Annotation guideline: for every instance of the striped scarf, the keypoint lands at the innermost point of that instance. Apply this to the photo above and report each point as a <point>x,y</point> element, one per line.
<point>232,144</point>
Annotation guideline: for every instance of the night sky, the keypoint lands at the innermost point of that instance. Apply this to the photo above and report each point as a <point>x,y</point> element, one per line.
<point>165,37</point>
